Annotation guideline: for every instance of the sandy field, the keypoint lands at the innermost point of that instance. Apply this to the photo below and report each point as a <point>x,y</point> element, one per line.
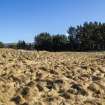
<point>51,78</point>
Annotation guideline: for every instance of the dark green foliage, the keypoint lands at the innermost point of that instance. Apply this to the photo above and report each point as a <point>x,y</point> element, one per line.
<point>59,42</point>
<point>73,39</point>
<point>92,35</point>
<point>43,41</point>
<point>1,45</point>
<point>29,46</point>
<point>89,36</point>
<point>21,45</point>
<point>24,45</point>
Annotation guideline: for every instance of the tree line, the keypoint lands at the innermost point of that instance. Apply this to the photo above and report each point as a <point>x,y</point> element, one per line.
<point>89,36</point>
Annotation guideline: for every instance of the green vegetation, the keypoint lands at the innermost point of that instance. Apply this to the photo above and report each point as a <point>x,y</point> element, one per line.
<point>89,36</point>
<point>1,45</point>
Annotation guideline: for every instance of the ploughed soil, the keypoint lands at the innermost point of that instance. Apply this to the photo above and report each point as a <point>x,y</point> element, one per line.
<point>51,78</point>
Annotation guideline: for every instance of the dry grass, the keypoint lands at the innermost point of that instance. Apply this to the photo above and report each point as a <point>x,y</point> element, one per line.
<point>49,78</point>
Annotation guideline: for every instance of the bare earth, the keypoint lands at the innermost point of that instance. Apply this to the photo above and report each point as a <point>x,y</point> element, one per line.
<point>49,78</point>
